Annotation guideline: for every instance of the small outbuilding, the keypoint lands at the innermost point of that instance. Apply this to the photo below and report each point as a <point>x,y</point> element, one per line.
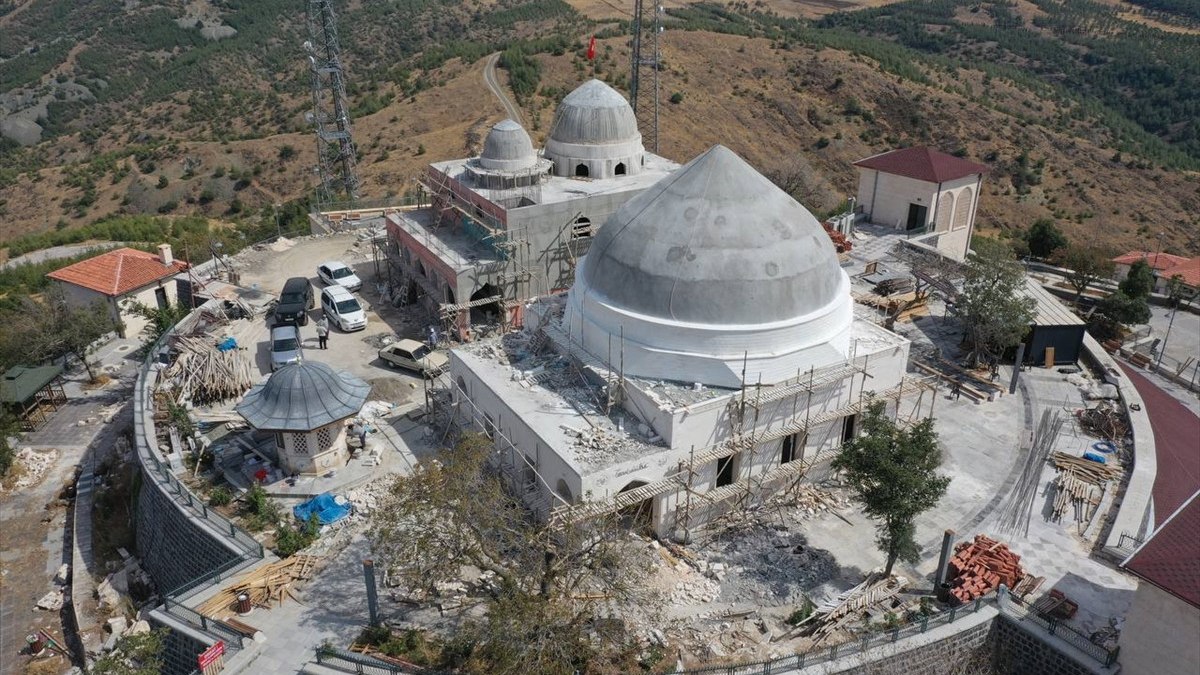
<point>923,192</point>
<point>31,393</point>
<point>306,405</point>
<point>121,278</point>
<point>1056,334</point>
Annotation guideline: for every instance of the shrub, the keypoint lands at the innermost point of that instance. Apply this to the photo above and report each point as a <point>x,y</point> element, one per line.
<point>677,97</point>
<point>220,496</point>
<point>163,182</point>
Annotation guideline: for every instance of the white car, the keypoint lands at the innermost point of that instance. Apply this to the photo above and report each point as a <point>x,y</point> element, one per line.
<point>343,309</point>
<point>335,273</point>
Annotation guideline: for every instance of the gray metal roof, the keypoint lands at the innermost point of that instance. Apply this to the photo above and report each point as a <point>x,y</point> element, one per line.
<point>714,243</point>
<point>594,113</point>
<point>303,397</point>
<point>507,148</point>
<point>1050,310</point>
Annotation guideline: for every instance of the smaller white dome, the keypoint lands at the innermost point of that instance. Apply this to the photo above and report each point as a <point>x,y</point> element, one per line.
<point>507,148</point>
<point>595,134</point>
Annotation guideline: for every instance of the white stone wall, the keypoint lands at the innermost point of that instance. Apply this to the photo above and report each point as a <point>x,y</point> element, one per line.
<point>885,198</point>
<point>120,308</point>
<point>1161,634</point>
<point>312,459</point>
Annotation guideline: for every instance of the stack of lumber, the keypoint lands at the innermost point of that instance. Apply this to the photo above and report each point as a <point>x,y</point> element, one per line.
<point>849,606</point>
<point>266,586</point>
<point>204,375</point>
<point>894,286</point>
<point>1085,469</point>
<point>980,566</point>
<point>1076,492</point>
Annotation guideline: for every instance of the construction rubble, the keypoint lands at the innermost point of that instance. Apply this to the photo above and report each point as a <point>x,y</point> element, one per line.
<point>266,586</point>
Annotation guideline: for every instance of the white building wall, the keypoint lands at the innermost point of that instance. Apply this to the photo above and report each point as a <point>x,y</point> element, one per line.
<point>119,309</point>
<point>885,198</point>
<point>1161,634</point>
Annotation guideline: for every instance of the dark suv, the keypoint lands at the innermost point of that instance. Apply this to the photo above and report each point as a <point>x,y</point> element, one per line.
<point>294,302</point>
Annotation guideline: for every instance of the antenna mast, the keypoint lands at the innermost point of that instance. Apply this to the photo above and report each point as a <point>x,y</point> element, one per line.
<point>330,114</point>
<point>643,79</point>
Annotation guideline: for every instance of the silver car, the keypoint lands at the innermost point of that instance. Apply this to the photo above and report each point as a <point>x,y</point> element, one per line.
<point>285,347</point>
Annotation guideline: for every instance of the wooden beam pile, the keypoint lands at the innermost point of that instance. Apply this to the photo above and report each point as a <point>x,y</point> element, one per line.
<point>266,586</point>
<point>1085,469</point>
<point>848,607</point>
<point>205,375</point>
<point>980,566</point>
<point>1076,492</point>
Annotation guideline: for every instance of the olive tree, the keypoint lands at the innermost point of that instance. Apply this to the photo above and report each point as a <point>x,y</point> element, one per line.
<point>993,306</point>
<point>552,581</point>
<point>893,473</point>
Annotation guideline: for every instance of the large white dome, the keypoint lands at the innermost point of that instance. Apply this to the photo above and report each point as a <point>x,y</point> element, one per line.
<point>712,266</point>
<point>595,134</point>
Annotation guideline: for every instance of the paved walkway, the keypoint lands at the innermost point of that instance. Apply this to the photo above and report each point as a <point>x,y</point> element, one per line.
<point>1176,442</point>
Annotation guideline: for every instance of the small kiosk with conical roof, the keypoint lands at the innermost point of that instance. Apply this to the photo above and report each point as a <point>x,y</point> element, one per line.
<point>306,405</point>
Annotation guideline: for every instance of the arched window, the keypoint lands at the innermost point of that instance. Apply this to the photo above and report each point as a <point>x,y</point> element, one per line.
<point>581,170</point>
<point>564,491</point>
<point>962,212</point>
<point>619,170</point>
<point>945,210</point>
<point>581,228</point>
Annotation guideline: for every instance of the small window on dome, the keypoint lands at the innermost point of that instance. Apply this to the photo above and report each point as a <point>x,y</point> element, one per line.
<point>620,169</point>
<point>581,170</point>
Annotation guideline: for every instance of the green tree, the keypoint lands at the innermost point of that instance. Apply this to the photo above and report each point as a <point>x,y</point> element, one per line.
<point>993,306</point>
<point>160,318</point>
<point>893,472</point>
<point>9,426</point>
<point>1125,309</point>
<point>1044,238</point>
<point>1139,282</point>
<point>136,654</point>
<point>1088,264</point>
<point>1178,291</point>
<point>458,511</point>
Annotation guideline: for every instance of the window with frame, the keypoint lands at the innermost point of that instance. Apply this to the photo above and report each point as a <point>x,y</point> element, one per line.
<point>324,439</point>
<point>581,228</point>
<point>300,444</point>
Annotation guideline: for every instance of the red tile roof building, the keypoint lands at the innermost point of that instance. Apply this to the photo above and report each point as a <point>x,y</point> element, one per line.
<point>1170,558</point>
<point>924,164</point>
<point>118,272</point>
<point>1156,261</point>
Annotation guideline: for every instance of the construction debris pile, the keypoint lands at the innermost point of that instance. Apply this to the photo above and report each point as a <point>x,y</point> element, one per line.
<point>848,607</point>
<point>33,465</point>
<point>210,371</point>
<point>840,243</point>
<point>1080,484</point>
<point>1105,420</point>
<point>980,566</point>
<point>265,586</point>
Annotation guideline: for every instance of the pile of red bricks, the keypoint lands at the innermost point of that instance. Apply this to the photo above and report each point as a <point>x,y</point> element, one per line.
<point>840,242</point>
<point>980,566</point>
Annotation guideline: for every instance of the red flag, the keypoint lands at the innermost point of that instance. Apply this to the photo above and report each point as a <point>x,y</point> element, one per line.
<point>592,48</point>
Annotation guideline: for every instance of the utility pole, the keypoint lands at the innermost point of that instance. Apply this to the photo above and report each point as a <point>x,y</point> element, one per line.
<point>646,61</point>
<point>330,116</point>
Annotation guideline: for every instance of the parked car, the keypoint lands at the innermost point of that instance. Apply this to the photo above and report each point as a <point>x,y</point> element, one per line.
<point>335,273</point>
<point>415,356</point>
<point>294,302</point>
<point>285,346</point>
<point>343,309</point>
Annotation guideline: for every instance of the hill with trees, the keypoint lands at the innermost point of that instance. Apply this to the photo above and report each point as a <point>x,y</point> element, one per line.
<point>1084,111</point>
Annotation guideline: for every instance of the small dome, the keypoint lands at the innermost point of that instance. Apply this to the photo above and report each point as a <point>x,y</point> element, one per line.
<point>593,114</point>
<point>507,148</point>
<point>716,243</point>
<point>302,397</point>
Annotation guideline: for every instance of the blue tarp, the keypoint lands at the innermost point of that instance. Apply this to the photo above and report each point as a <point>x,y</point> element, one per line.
<point>227,344</point>
<point>327,510</point>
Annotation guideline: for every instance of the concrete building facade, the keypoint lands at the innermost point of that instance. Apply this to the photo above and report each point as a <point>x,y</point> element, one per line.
<point>511,224</point>
<point>923,192</point>
<point>706,355</point>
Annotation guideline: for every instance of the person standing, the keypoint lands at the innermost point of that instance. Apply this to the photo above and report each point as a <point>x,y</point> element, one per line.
<point>323,333</point>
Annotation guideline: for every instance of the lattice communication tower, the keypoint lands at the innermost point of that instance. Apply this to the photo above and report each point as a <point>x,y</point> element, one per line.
<point>647,61</point>
<point>336,155</point>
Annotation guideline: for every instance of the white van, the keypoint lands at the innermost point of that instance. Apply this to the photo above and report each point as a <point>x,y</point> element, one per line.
<point>343,309</point>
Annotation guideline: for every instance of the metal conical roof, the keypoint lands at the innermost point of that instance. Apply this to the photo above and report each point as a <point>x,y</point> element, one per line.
<point>303,397</point>
<point>716,243</point>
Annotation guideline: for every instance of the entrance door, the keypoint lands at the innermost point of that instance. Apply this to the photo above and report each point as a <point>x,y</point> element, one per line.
<point>849,427</point>
<point>160,297</point>
<point>916,216</point>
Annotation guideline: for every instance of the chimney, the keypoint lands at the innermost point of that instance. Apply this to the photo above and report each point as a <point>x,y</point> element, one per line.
<point>164,253</point>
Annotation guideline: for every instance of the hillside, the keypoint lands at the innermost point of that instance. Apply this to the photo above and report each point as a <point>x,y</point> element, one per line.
<point>1080,112</point>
